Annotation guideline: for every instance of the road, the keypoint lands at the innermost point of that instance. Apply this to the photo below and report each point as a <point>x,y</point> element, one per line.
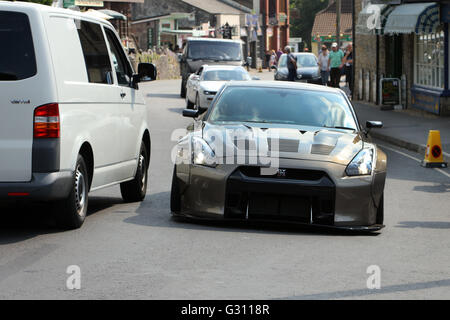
<point>137,251</point>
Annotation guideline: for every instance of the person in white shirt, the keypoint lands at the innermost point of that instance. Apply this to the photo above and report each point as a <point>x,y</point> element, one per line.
<point>323,63</point>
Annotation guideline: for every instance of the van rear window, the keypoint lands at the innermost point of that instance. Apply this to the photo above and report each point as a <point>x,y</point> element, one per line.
<point>17,58</point>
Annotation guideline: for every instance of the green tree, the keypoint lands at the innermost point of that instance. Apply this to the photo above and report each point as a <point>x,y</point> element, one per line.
<point>303,13</point>
<point>47,2</point>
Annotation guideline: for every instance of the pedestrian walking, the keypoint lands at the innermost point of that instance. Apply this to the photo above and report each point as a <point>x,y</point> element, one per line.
<point>348,60</point>
<point>291,64</point>
<point>279,53</point>
<point>324,56</point>
<point>272,60</point>
<point>335,65</point>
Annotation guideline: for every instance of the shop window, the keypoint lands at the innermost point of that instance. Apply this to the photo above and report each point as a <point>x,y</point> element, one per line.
<point>429,60</point>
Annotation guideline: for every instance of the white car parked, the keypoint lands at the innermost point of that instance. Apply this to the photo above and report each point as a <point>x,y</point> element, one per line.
<point>203,85</point>
<point>73,121</point>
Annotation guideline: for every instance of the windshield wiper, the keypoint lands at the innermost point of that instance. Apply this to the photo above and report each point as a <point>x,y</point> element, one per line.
<point>339,127</point>
<point>253,121</point>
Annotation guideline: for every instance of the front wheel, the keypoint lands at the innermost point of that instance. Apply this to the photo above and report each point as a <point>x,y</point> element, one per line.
<point>71,212</point>
<point>189,104</point>
<point>136,189</point>
<point>175,197</point>
<point>380,210</point>
<point>197,103</point>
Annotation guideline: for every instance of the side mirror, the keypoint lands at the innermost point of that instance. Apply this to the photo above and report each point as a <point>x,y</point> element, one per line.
<point>190,113</point>
<point>146,72</point>
<point>273,67</point>
<point>180,57</point>
<point>255,78</point>
<point>373,124</point>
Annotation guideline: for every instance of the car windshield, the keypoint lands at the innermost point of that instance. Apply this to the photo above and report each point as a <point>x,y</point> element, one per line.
<point>306,60</point>
<point>225,75</point>
<point>283,106</point>
<point>283,62</point>
<point>215,50</point>
<point>17,58</point>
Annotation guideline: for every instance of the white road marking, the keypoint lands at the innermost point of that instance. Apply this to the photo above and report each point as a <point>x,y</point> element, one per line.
<point>413,158</point>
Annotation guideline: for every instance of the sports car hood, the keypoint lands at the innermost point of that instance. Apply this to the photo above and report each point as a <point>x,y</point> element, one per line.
<point>288,142</point>
<point>213,86</point>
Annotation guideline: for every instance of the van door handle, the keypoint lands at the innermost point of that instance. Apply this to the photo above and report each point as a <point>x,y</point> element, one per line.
<point>122,95</point>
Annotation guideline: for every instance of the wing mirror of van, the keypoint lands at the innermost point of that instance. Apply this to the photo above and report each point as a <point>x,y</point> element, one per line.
<point>146,72</point>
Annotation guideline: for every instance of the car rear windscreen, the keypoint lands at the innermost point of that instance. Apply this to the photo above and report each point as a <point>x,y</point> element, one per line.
<point>215,50</point>
<point>17,58</point>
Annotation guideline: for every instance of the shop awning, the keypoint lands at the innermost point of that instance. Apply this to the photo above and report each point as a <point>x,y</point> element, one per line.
<point>114,14</point>
<point>413,18</point>
<point>369,19</point>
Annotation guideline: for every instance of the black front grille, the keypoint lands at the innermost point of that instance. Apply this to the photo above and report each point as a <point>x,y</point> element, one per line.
<point>304,196</point>
<point>282,173</point>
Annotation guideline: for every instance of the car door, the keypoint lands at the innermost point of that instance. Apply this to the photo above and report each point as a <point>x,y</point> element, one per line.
<point>131,107</point>
<point>24,69</point>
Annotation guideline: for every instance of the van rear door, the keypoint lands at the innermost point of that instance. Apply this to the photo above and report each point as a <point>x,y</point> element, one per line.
<point>24,85</point>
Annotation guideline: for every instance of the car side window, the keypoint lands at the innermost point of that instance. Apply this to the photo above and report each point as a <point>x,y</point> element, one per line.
<point>120,62</point>
<point>95,52</point>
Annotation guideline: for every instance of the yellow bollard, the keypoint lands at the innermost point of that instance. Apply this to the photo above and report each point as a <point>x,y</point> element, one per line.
<point>433,154</point>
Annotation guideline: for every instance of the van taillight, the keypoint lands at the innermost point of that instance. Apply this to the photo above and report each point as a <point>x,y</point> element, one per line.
<point>46,121</point>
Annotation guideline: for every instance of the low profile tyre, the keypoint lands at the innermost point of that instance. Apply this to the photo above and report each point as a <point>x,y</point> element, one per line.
<point>71,212</point>
<point>135,190</point>
<point>380,211</point>
<point>175,197</point>
<point>183,89</point>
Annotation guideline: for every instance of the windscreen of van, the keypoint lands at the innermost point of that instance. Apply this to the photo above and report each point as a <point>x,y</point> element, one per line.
<point>215,50</point>
<point>17,58</point>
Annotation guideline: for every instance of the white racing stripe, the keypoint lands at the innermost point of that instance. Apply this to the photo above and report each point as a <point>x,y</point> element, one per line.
<point>413,158</point>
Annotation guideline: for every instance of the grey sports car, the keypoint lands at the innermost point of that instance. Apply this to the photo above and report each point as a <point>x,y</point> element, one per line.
<point>278,151</point>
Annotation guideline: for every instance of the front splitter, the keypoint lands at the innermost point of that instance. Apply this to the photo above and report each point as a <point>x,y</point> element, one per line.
<point>371,228</point>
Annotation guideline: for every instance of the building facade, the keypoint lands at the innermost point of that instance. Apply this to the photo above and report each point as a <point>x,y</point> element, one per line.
<point>406,40</point>
<point>170,22</point>
<point>324,28</point>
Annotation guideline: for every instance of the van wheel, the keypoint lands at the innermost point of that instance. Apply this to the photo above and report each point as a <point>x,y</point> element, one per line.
<point>135,190</point>
<point>71,212</point>
<point>380,210</point>
<point>183,89</point>
<point>175,197</point>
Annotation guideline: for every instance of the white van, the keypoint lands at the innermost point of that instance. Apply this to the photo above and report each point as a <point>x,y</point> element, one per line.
<point>72,118</point>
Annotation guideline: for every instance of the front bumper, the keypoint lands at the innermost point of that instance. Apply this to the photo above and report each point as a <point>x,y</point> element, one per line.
<point>43,186</point>
<point>325,197</point>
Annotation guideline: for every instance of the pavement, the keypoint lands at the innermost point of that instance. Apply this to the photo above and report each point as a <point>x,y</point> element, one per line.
<point>407,128</point>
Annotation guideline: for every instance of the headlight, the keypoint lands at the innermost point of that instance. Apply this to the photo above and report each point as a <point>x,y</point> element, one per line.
<point>361,163</point>
<point>209,93</point>
<point>202,154</point>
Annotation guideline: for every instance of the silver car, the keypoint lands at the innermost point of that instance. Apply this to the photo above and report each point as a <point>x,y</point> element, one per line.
<point>307,68</point>
<point>280,151</point>
<point>203,85</point>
